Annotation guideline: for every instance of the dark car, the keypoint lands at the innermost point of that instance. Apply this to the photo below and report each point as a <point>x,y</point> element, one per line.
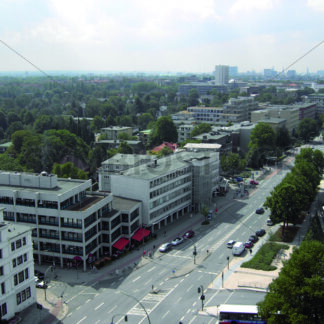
<point>253,238</point>
<point>260,232</point>
<point>248,244</point>
<point>260,210</point>
<point>238,179</point>
<point>40,275</point>
<point>188,234</point>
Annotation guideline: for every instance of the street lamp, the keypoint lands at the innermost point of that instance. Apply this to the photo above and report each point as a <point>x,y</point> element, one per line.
<point>202,296</point>
<point>125,318</point>
<point>194,254</point>
<point>45,284</point>
<point>228,262</point>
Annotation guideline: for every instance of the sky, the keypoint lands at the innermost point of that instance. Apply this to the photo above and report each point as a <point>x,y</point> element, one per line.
<point>161,35</point>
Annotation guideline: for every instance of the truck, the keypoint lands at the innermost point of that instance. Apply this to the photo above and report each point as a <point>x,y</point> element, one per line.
<point>238,248</point>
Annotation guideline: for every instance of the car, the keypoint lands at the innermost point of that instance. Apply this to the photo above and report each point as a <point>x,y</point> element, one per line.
<point>238,179</point>
<point>253,182</point>
<point>41,284</point>
<point>178,240</point>
<point>165,247</point>
<point>39,274</point>
<point>260,232</point>
<point>260,210</point>
<point>210,215</point>
<point>269,222</point>
<point>230,244</point>
<point>188,234</point>
<point>248,244</point>
<point>253,238</point>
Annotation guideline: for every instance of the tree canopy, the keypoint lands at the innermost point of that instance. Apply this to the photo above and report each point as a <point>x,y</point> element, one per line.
<point>164,131</point>
<point>200,129</point>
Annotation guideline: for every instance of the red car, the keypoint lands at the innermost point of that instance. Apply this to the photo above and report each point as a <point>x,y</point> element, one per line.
<point>253,182</point>
<point>248,244</point>
<point>188,234</point>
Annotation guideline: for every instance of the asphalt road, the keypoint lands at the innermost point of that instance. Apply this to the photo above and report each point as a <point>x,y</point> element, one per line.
<point>177,299</point>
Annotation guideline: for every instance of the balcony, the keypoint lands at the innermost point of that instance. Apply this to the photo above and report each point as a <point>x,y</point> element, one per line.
<point>50,236</point>
<point>71,239</point>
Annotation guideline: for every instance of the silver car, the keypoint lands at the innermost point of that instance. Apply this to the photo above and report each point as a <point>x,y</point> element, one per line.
<point>165,247</point>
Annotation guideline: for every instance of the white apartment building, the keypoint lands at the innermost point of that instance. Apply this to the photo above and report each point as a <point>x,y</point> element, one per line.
<point>184,132</point>
<point>241,108</point>
<point>112,132</point>
<point>16,269</point>
<point>221,74</point>
<point>65,216</point>
<point>117,164</point>
<point>169,187</point>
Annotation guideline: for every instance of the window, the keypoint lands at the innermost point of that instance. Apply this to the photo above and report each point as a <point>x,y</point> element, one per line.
<point>1,271</point>
<point>26,273</point>
<point>25,257</point>
<point>14,263</point>
<point>15,279</point>
<point>28,294</point>
<point>18,244</point>
<point>18,298</point>
<point>13,246</point>
<point>20,260</point>
<point>23,295</point>
<point>3,310</point>
<point>24,240</point>
<point>3,288</point>
<point>0,253</point>
<point>21,276</point>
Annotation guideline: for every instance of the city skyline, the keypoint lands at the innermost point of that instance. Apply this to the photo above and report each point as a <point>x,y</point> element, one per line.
<point>164,36</point>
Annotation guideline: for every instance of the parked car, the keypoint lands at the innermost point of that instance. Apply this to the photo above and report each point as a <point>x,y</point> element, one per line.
<point>165,247</point>
<point>253,182</point>
<point>260,232</point>
<point>210,215</point>
<point>248,244</point>
<point>39,274</point>
<point>178,240</point>
<point>188,234</point>
<point>253,238</point>
<point>260,210</point>
<point>238,179</point>
<point>41,284</point>
<point>238,248</point>
<point>230,244</point>
<point>269,222</point>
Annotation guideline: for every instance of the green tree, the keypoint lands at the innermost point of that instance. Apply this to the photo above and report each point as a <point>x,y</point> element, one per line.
<point>297,295</point>
<point>193,97</point>
<point>200,129</point>
<point>144,119</point>
<point>164,131</point>
<point>8,163</point>
<point>306,128</point>
<point>232,163</point>
<point>69,170</point>
<point>165,151</point>
<point>263,137</point>
<point>125,148</point>
<point>97,123</point>
<point>283,139</point>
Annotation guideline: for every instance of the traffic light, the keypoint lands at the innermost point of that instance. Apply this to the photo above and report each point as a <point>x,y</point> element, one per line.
<point>126,318</point>
<point>199,290</point>
<point>202,297</point>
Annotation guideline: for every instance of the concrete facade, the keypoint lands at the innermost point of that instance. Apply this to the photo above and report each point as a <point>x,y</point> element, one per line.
<point>18,289</point>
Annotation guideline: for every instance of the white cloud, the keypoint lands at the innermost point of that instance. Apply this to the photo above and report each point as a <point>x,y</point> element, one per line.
<point>243,6</point>
<point>316,4</point>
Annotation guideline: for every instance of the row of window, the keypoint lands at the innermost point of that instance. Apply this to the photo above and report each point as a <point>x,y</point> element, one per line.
<point>169,177</point>
<point>23,295</point>
<point>3,310</point>
<point>19,260</point>
<point>18,244</point>
<point>21,276</point>
<point>169,187</point>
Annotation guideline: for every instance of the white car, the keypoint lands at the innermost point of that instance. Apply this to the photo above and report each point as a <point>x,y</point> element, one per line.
<point>230,244</point>
<point>178,240</point>
<point>269,222</point>
<point>41,284</point>
<point>165,247</point>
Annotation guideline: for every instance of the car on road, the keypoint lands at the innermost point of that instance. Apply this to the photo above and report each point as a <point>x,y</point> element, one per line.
<point>165,247</point>
<point>260,210</point>
<point>210,215</point>
<point>178,240</point>
<point>230,244</point>
<point>253,238</point>
<point>238,248</point>
<point>41,284</point>
<point>238,179</point>
<point>39,274</point>
<point>188,234</point>
<point>260,232</point>
<point>269,222</point>
<point>253,182</point>
<point>248,244</point>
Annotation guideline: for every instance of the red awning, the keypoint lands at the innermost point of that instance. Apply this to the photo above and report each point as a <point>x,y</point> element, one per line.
<point>121,243</point>
<point>140,233</point>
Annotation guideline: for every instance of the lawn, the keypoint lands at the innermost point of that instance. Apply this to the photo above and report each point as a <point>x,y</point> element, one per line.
<point>264,257</point>
<point>289,234</point>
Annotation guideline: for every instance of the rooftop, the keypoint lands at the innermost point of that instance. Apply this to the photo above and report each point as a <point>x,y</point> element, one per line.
<point>124,204</point>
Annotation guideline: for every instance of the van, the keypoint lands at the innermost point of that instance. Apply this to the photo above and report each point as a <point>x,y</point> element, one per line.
<point>238,248</point>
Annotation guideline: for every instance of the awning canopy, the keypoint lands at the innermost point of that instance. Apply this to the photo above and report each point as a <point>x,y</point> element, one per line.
<point>140,233</point>
<point>121,243</point>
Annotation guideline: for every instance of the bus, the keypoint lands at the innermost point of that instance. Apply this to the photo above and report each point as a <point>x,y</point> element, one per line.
<point>239,314</point>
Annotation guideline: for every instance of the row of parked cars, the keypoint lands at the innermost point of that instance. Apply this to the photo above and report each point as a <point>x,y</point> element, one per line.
<point>239,247</point>
<point>178,240</point>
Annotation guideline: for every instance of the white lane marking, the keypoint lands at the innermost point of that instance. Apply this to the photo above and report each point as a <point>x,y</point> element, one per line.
<point>82,319</point>
<point>136,278</point>
<point>151,269</point>
<point>189,288</point>
<point>112,309</point>
<point>165,314</point>
<point>99,306</point>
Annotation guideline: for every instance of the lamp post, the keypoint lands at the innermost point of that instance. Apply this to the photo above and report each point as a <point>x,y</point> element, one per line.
<point>194,254</point>
<point>202,296</point>
<point>228,262</point>
<point>45,284</point>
